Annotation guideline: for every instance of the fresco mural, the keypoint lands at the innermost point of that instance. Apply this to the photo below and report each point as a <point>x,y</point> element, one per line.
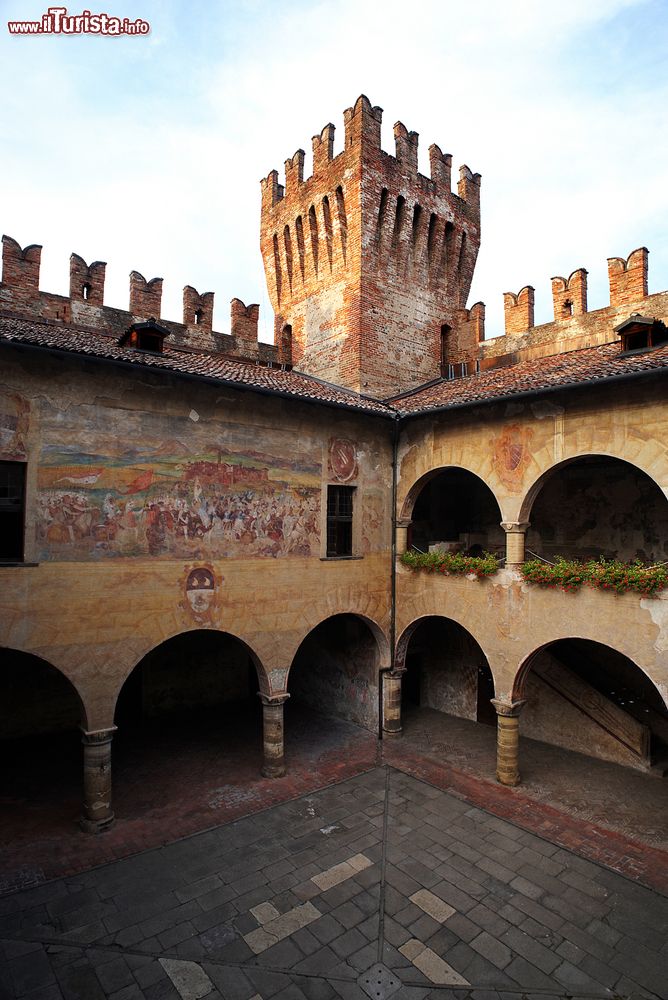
<point>165,488</point>
<point>14,423</point>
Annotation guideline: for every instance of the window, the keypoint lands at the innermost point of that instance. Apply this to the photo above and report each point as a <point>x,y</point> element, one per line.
<point>642,333</point>
<point>148,336</point>
<point>12,492</point>
<point>340,520</point>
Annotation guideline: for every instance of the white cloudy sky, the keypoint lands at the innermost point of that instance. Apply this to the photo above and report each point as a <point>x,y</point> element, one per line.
<point>147,152</point>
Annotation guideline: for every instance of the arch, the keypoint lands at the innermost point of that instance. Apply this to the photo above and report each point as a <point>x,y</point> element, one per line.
<point>263,680</point>
<point>336,668</point>
<point>537,485</point>
<point>419,484</point>
<point>382,641</point>
<point>462,685</point>
<point>597,505</point>
<point>454,505</point>
<point>588,696</point>
<point>25,660</point>
<point>42,714</point>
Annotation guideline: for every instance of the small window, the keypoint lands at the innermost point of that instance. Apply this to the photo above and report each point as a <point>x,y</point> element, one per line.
<point>148,336</point>
<point>12,493</point>
<point>340,520</point>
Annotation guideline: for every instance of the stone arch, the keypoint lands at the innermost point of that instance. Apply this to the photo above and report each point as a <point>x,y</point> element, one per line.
<point>464,692</point>
<point>42,715</point>
<point>334,609</point>
<point>455,504</point>
<point>140,655</point>
<point>608,481</point>
<point>539,483</point>
<point>336,668</point>
<point>589,696</point>
<point>201,637</point>
<point>56,679</point>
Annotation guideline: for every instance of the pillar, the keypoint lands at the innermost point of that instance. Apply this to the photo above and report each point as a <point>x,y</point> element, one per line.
<point>392,701</point>
<point>272,729</point>
<point>97,812</point>
<point>515,536</point>
<point>401,530</point>
<point>507,741</point>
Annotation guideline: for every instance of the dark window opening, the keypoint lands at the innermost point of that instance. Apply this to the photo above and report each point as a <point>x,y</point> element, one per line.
<point>198,316</point>
<point>85,291</point>
<point>641,333</point>
<point>340,520</point>
<point>12,510</point>
<point>567,308</point>
<point>445,367</point>
<point>148,336</point>
<point>148,342</point>
<point>286,345</point>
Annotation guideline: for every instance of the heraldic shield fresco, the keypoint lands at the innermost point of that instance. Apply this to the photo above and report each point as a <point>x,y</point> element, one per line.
<point>170,488</point>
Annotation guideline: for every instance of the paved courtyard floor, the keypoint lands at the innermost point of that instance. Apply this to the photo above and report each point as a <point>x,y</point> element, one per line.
<point>381,885</point>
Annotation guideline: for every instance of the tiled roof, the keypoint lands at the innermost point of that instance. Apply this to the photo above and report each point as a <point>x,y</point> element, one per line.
<point>560,370</point>
<point>244,374</point>
<point>576,367</point>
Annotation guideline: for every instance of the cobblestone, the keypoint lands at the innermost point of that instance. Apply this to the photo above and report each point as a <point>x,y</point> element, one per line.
<point>568,928</point>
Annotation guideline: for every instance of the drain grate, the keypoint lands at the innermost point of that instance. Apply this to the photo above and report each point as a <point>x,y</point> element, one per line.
<point>378,982</point>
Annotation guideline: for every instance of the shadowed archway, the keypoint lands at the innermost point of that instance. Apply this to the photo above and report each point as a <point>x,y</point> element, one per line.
<point>41,721</point>
<point>586,696</point>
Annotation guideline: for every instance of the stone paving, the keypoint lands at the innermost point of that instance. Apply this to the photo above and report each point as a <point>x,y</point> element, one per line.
<point>380,886</point>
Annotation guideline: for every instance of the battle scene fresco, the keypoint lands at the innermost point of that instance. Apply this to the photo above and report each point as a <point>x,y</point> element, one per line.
<point>170,487</point>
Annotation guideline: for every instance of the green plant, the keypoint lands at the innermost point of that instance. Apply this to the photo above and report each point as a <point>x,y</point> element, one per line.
<point>451,563</point>
<point>619,577</point>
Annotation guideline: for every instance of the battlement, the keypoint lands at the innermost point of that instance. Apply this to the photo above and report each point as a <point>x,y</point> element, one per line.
<point>362,124</point>
<point>573,327</point>
<point>84,308</point>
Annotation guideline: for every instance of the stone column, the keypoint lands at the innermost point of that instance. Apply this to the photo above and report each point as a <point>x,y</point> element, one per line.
<point>507,741</point>
<point>97,812</point>
<point>392,701</point>
<point>401,534</point>
<point>515,535</point>
<point>272,728</point>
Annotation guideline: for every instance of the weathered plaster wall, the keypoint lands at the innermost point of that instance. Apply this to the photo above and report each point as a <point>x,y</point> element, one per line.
<point>121,446</point>
<point>513,447</point>
<point>335,671</point>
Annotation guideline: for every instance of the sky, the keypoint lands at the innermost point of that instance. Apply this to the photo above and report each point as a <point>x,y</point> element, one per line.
<point>147,151</point>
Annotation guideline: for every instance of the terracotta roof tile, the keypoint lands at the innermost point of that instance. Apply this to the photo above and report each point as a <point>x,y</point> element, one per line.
<point>576,367</point>
<point>573,368</point>
<point>206,365</point>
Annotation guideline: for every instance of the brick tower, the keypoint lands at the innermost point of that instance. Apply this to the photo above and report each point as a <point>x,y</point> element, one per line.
<point>368,262</point>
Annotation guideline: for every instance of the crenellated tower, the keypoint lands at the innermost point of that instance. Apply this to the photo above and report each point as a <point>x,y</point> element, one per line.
<point>368,262</point>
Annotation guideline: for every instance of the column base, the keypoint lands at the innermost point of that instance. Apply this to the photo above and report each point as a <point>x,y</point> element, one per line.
<point>393,732</point>
<point>272,770</point>
<point>96,825</point>
<point>511,782</point>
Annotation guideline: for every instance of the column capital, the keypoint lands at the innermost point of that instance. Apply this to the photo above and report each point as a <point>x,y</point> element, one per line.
<point>509,709</point>
<point>92,736</point>
<point>515,527</point>
<point>273,699</point>
<point>403,522</point>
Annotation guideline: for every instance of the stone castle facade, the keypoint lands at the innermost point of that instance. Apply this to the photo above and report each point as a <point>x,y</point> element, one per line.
<point>179,506</point>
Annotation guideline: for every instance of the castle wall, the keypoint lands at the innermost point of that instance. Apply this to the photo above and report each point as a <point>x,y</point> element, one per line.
<point>512,446</point>
<point>84,307</point>
<point>157,506</point>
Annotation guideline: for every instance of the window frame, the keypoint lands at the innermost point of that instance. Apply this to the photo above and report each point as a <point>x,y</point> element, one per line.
<point>337,516</point>
<point>8,558</point>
